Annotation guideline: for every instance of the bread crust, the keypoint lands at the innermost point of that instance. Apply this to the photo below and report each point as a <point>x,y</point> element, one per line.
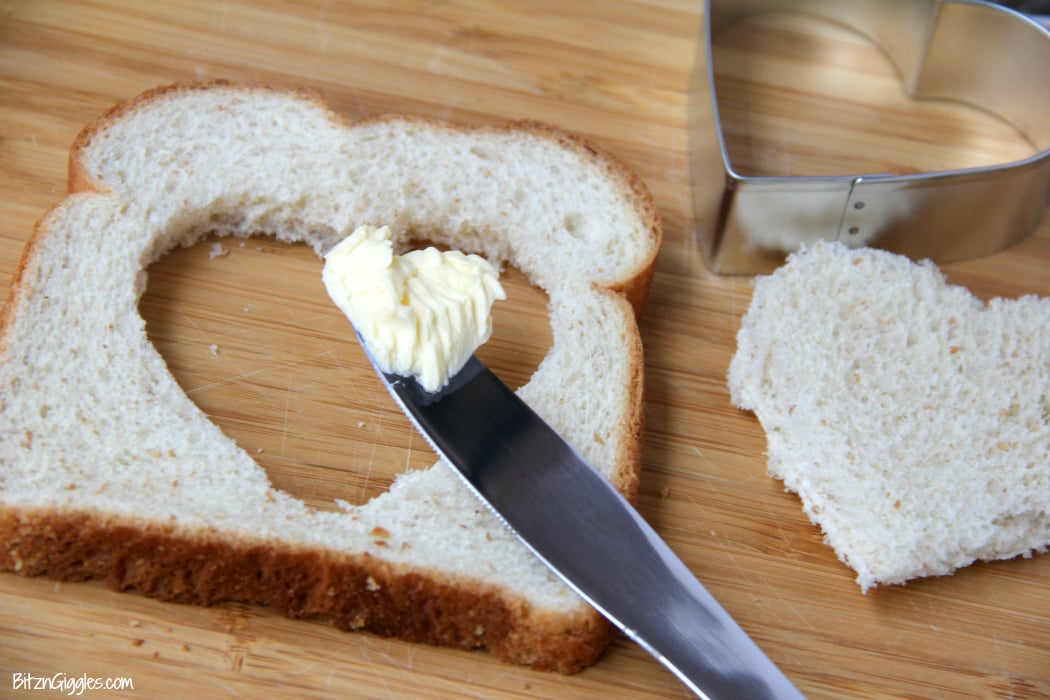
<point>353,592</point>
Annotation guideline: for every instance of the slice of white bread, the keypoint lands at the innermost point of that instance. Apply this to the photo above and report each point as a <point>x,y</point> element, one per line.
<point>912,419</point>
<point>108,470</point>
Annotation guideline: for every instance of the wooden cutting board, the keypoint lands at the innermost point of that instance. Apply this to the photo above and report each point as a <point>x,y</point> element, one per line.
<point>252,338</point>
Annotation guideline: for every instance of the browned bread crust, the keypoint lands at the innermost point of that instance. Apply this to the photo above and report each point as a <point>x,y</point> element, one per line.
<point>354,593</point>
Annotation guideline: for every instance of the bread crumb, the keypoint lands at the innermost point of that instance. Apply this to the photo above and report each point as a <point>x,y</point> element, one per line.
<point>478,631</point>
<point>342,505</point>
<point>259,450</point>
<point>360,424</point>
<point>137,642</point>
<point>185,647</point>
<point>665,491</point>
<point>214,349</point>
<point>134,623</point>
<point>218,250</point>
<point>372,585</point>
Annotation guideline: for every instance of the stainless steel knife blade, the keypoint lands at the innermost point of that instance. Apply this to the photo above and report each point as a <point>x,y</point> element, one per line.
<point>586,532</point>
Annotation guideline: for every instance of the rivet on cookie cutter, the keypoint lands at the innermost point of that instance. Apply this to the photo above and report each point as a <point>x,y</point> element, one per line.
<point>963,50</point>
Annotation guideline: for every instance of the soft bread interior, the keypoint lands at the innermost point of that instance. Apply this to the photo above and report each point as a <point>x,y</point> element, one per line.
<point>92,420</point>
<point>912,418</point>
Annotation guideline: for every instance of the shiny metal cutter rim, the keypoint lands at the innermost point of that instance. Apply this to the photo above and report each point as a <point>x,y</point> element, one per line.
<point>964,50</point>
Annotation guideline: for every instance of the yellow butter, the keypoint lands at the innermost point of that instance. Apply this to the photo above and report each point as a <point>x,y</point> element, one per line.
<point>421,314</point>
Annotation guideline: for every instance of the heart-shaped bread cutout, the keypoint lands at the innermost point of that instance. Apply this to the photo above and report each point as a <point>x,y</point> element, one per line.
<point>110,470</point>
<point>911,418</point>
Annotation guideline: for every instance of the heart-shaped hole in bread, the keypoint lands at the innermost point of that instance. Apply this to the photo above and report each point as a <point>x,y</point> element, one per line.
<point>803,96</point>
<point>108,469</point>
<point>250,334</point>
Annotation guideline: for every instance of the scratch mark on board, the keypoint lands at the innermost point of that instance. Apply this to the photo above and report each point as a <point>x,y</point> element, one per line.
<point>254,373</point>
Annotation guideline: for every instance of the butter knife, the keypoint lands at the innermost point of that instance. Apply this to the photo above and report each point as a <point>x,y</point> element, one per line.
<point>581,527</point>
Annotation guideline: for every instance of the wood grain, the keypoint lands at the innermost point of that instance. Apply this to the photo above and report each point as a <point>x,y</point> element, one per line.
<point>251,337</point>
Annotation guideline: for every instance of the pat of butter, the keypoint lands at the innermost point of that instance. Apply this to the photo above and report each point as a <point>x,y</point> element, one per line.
<point>421,314</point>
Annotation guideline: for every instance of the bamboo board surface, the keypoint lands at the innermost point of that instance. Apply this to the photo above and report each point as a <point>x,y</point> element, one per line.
<point>252,338</point>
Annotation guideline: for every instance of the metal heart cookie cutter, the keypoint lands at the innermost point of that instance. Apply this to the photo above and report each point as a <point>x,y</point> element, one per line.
<point>964,50</point>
